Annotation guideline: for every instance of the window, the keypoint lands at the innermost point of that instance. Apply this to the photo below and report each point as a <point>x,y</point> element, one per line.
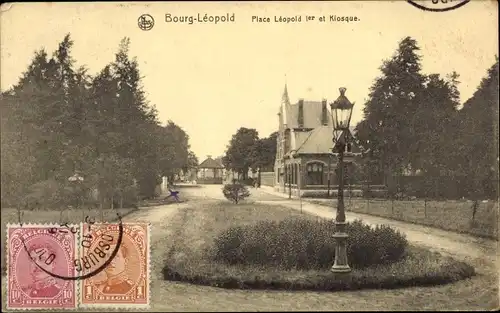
<point>315,173</point>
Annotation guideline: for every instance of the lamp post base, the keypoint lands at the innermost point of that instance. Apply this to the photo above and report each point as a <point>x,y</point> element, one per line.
<point>340,269</point>
<point>341,264</point>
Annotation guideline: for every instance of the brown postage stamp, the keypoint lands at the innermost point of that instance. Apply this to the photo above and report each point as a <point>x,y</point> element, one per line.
<point>125,280</point>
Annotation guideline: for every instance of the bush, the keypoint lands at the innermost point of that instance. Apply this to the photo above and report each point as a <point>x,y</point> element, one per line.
<point>47,194</point>
<point>235,192</point>
<point>307,245</point>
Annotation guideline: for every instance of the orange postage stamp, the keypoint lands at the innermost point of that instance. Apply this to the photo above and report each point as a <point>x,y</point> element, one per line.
<point>124,281</point>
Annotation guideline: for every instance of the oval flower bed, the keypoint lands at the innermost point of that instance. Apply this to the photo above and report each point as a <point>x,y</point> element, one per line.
<point>270,247</point>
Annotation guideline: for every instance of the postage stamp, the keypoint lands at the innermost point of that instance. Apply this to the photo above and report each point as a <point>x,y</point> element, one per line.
<point>33,253</point>
<point>125,280</point>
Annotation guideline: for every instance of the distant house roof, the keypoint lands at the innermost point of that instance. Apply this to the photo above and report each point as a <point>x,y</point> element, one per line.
<point>318,141</point>
<point>211,163</point>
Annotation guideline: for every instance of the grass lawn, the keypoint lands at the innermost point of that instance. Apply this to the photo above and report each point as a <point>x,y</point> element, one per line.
<point>10,215</point>
<point>188,258</point>
<point>448,215</point>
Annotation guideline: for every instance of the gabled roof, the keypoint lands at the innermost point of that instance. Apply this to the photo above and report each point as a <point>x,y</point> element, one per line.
<point>211,163</point>
<point>312,112</point>
<point>318,141</point>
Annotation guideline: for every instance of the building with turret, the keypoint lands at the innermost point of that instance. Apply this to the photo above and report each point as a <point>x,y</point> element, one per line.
<point>304,160</point>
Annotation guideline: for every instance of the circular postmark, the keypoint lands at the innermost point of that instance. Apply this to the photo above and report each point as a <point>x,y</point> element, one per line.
<point>438,5</point>
<point>146,22</point>
<point>62,241</point>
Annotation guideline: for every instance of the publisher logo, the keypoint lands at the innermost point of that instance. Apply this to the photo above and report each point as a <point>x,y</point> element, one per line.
<point>146,22</point>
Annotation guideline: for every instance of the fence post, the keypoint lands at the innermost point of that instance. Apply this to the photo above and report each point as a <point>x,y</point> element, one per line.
<point>425,207</point>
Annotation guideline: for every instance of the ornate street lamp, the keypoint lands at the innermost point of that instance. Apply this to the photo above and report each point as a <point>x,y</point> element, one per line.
<point>341,115</point>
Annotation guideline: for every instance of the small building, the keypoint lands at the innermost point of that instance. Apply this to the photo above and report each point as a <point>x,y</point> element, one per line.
<point>210,171</point>
<point>305,161</point>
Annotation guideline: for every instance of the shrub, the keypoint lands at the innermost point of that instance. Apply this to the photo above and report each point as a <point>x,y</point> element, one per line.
<point>235,192</point>
<point>306,244</point>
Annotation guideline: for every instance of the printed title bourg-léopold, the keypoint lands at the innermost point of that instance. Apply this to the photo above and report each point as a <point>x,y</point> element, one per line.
<point>200,18</point>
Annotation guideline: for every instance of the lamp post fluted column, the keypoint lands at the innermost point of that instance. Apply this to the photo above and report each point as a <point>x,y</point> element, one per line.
<point>341,115</point>
<point>341,264</point>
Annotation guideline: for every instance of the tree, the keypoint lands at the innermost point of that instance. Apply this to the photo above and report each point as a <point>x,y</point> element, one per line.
<point>41,110</point>
<point>240,153</point>
<point>264,153</point>
<point>136,121</point>
<point>479,136</point>
<point>395,97</point>
<point>174,149</point>
<point>191,162</point>
<point>434,129</point>
<point>58,119</point>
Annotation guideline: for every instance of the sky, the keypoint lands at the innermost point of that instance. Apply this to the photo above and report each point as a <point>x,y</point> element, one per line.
<point>212,79</point>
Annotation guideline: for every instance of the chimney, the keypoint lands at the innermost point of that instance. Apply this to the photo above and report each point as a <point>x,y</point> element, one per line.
<point>300,117</point>
<point>324,113</point>
<point>209,156</point>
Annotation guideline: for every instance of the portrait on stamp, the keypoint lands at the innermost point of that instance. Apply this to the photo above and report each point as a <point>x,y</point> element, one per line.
<point>34,256</point>
<point>42,284</point>
<point>125,279</point>
<point>117,279</point>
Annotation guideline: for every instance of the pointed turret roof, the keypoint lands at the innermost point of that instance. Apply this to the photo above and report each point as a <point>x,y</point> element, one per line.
<point>285,106</point>
<point>285,99</point>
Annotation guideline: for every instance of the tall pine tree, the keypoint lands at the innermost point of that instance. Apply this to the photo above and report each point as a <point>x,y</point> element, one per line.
<point>391,110</point>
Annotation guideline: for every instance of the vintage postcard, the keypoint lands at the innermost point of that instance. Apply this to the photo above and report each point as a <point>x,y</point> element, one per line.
<point>250,155</point>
